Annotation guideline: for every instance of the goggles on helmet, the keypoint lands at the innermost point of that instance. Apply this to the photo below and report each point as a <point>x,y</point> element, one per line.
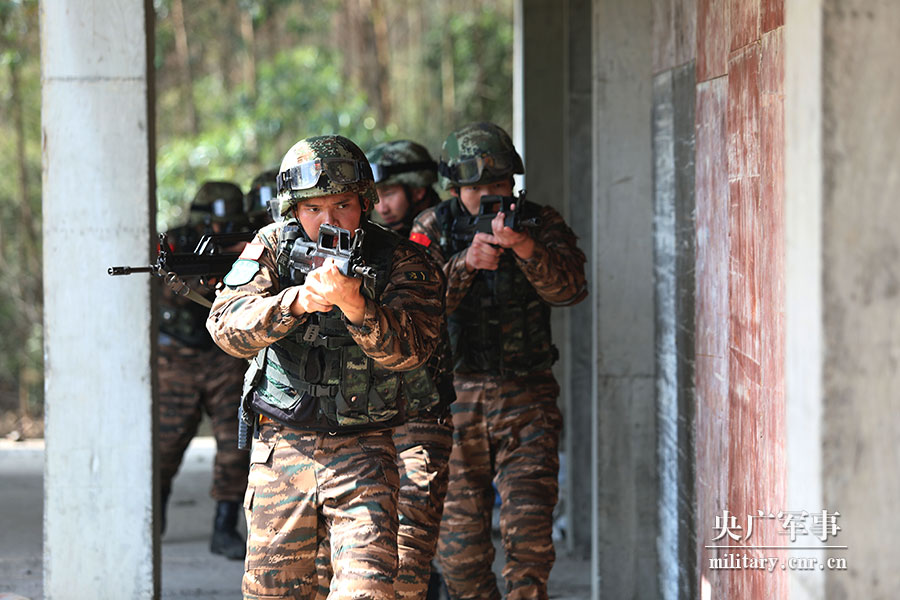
<point>306,175</point>
<point>470,170</point>
<point>382,172</point>
<point>217,208</point>
<point>260,198</point>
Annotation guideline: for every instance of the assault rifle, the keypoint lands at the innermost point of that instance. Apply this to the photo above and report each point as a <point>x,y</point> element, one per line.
<point>465,226</point>
<point>334,243</point>
<point>207,261</point>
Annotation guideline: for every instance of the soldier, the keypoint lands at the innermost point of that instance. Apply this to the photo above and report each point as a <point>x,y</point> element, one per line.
<point>195,377</point>
<point>500,287</point>
<point>261,201</point>
<point>326,379</point>
<point>404,176</point>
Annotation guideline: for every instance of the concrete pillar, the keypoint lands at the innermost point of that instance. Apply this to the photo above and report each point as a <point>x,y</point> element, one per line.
<point>551,112</point>
<point>98,210</point>
<point>804,349</point>
<point>622,292</point>
<point>861,291</point>
<point>674,256</point>
<point>578,183</point>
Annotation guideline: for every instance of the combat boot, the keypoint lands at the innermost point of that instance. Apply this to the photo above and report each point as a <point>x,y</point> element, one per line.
<point>225,538</point>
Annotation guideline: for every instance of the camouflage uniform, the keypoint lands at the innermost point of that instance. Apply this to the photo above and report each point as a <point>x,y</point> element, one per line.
<point>308,484</point>
<point>506,419</point>
<point>195,377</point>
<point>423,453</point>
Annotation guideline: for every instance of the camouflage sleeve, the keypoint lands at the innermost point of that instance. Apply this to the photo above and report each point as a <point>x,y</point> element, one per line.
<point>245,319</point>
<point>459,279</point>
<point>401,330</point>
<point>556,269</point>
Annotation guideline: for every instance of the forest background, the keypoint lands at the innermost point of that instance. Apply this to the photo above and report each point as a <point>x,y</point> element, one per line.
<point>237,83</point>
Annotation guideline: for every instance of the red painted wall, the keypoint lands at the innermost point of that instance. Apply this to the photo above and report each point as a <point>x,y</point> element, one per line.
<point>740,286</point>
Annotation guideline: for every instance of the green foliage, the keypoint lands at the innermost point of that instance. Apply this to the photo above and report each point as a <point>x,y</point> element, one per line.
<point>300,94</point>
<point>310,62</point>
<point>21,355</point>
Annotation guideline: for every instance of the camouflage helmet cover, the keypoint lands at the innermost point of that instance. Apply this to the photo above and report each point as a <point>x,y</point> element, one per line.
<point>483,141</point>
<point>390,158</point>
<point>325,147</point>
<point>217,201</point>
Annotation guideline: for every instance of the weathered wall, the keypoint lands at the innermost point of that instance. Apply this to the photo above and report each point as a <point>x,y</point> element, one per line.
<point>861,290</point>
<point>740,282</point>
<point>98,164</point>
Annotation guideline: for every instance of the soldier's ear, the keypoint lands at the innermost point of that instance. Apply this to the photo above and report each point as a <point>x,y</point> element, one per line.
<point>364,203</point>
<point>416,194</point>
<point>454,191</point>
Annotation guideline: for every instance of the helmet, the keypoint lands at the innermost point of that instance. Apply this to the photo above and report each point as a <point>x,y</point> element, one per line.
<point>402,163</point>
<point>321,166</point>
<point>261,201</point>
<point>478,153</point>
<point>217,202</point>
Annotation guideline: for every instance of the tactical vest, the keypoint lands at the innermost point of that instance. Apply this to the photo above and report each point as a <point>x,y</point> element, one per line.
<point>502,325</point>
<point>318,378</point>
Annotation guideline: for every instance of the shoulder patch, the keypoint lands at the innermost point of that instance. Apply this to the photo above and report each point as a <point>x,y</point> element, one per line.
<point>420,238</point>
<point>252,251</point>
<point>416,275</point>
<point>242,271</point>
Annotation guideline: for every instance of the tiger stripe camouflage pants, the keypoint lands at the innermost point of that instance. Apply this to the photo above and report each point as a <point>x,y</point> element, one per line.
<point>192,382</point>
<point>305,487</point>
<point>423,454</point>
<point>506,432</point>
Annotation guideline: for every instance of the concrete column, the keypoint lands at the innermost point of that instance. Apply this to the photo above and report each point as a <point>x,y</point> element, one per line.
<point>674,257</point>
<point>579,162</point>
<point>98,210</point>
<point>861,291</point>
<point>804,348</point>
<point>551,107</point>
<point>621,276</point>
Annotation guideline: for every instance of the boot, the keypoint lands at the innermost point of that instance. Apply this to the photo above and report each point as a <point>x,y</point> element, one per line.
<point>225,538</point>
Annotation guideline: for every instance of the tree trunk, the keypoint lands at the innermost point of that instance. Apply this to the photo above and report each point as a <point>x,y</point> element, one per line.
<point>382,59</point>
<point>249,38</point>
<point>183,56</point>
<point>448,77</point>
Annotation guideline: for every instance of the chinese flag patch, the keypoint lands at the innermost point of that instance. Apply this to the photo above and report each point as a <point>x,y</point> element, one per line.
<point>420,238</point>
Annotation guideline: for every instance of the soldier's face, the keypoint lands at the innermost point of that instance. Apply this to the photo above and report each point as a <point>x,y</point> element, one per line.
<point>470,195</point>
<point>341,210</point>
<point>392,204</point>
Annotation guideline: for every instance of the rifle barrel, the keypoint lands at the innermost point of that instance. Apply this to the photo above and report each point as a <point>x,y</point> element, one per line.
<point>130,270</point>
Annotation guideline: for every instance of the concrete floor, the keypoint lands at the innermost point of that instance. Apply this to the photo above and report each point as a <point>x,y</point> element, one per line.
<point>188,569</point>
